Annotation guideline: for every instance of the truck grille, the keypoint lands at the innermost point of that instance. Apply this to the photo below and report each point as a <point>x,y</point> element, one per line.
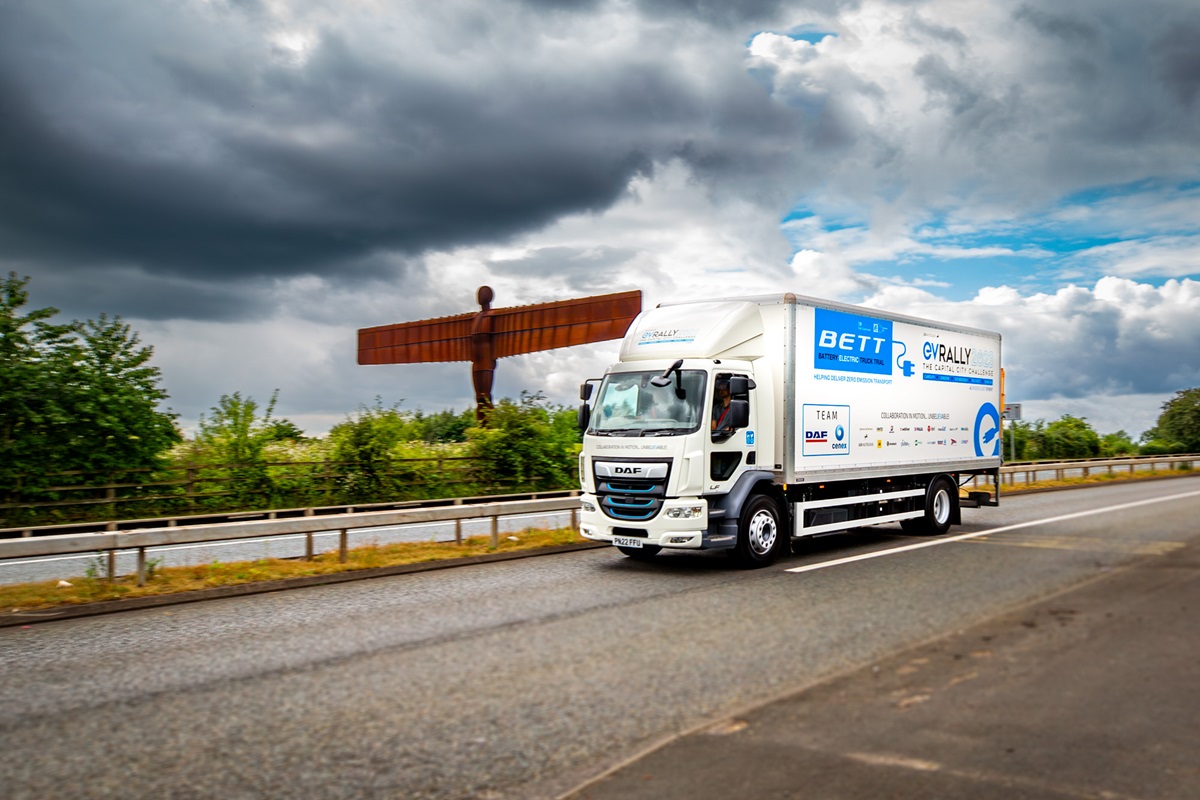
<point>631,491</point>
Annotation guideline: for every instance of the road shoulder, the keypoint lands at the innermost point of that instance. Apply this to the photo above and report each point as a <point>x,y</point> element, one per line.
<point>1089,693</point>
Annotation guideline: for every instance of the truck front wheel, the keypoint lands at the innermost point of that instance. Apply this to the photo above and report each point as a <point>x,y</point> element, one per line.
<point>758,532</point>
<point>939,510</point>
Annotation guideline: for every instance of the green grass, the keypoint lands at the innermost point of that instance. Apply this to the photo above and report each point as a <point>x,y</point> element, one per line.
<point>170,580</point>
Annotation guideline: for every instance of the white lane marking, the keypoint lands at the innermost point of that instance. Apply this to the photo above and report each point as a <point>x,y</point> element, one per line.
<point>965,536</point>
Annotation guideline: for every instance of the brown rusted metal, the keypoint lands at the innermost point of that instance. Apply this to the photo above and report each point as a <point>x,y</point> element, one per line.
<point>493,333</point>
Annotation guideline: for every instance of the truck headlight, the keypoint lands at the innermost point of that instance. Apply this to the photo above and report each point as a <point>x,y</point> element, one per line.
<point>588,507</point>
<point>685,512</point>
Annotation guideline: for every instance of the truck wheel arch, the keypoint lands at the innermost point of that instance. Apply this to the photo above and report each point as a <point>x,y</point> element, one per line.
<point>748,484</point>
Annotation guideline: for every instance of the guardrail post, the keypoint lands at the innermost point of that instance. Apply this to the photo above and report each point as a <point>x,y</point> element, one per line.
<point>575,519</point>
<point>495,531</point>
<point>458,531</point>
<point>308,546</point>
<point>343,545</point>
<point>112,565</point>
<point>141,566</point>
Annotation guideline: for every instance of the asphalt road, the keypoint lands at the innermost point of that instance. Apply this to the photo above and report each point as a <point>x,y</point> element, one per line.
<point>519,679</point>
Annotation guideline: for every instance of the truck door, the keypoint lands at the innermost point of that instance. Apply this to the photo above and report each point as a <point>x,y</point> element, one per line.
<point>731,429</point>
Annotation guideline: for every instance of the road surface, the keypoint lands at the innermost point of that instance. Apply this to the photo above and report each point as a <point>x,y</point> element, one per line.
<point>520,679</point>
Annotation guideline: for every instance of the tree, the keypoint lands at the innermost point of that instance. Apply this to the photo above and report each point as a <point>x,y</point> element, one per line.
<point>31,365</point>
<point>1068,437</point>
<point>1179,423</point>
<point>74,396</point>
<point>114,396</point>
<point>528,444</point>
<point>1117,444</point>
<point>444,426</point>
<point>1017,437</point>
<point>233,433</point>
<point>366,443</point>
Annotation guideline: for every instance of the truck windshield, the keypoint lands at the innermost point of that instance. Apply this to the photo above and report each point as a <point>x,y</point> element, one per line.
<point>629,405</point>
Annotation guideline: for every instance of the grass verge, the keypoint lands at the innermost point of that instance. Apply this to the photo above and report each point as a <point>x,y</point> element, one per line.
<point>171,580</point>
<point>1099,477</point>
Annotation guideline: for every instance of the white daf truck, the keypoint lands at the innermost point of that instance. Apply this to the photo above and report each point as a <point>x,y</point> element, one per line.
<point>744,424</point>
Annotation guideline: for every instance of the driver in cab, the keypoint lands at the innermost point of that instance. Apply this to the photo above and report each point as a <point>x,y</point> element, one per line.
<point>722,421</point>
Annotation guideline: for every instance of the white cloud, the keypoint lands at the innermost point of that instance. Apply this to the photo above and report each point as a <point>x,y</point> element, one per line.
<point>1174,256</point>
<point>1118,338</point>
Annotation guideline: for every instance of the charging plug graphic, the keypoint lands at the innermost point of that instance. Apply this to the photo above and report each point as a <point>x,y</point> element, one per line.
<point>906,367</point>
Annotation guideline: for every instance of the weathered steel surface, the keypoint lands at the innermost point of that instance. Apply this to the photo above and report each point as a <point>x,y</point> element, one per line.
<point>443,339</point>
<point>515,330</point>
<point>493,333</point>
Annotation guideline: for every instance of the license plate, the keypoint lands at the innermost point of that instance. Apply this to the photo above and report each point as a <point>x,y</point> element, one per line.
<point>627,541</point>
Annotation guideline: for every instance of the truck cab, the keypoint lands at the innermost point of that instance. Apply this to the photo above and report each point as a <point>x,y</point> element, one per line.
<point>673,445</point>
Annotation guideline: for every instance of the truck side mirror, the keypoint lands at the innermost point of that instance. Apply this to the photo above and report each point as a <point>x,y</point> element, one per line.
<point>740,386</point>
<point>585,416</point>
<point>739,417</point>
<point>739,411</point>
<point>585,391</point>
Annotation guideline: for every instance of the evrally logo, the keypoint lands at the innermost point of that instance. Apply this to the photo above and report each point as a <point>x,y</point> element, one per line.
<point>934,351</point>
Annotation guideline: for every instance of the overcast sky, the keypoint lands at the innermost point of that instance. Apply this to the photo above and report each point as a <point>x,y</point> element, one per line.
<point>247,182</point>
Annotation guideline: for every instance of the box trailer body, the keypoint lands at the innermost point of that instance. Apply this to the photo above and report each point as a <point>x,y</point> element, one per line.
<point>839,416</point>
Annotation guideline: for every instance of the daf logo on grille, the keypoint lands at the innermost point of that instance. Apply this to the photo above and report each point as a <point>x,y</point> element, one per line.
<point>645,471</point>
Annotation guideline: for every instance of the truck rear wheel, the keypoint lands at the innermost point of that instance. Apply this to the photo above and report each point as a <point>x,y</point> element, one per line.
<point>759,533</point>
<point>939,510</point>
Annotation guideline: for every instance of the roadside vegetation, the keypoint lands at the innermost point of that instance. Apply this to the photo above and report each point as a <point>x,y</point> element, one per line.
<point>94,587</point>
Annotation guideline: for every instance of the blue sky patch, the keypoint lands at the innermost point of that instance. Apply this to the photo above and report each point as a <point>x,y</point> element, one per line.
<point>810,36</point>
<point>1041,252</point>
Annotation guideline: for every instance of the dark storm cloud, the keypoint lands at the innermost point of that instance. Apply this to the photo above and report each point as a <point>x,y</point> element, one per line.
<point>1066,27</point>
<point>1117,57</point>
<point>138,295</point>
<point>715,11</point>
<point>1179,60</point>
<point>166,157</point>
<point>774,13</point>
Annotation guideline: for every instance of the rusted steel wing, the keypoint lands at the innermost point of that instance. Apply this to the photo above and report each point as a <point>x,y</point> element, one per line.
<point>514,331</point>
<point>441,339</point>
<point>493,333</point>
<point>564,323</point>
